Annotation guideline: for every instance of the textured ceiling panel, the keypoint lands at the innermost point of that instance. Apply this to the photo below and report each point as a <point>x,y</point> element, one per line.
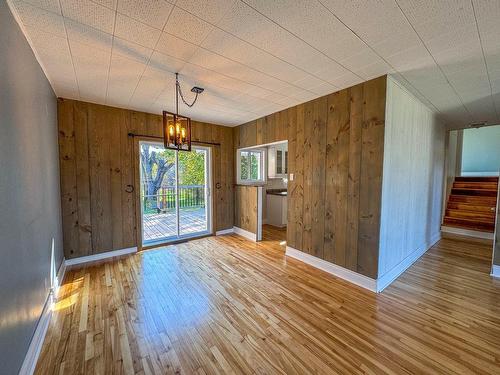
<point>151,12</point>
<point>136,32</point>
<point>89,13</point>
<point>187,26</point>
<point>255,57</point>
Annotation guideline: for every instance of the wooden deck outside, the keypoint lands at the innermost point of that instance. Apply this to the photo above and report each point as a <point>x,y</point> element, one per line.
<point>163,225</point>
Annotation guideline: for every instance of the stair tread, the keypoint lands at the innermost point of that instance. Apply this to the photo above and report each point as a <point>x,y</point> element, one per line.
<point>472,220</point>
<point>488,230</point>
<point>478,178</point>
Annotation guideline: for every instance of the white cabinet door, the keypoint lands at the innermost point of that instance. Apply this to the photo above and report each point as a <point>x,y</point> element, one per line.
<point>271,162</point>
<point>276,210</point>
<point>277,166</point>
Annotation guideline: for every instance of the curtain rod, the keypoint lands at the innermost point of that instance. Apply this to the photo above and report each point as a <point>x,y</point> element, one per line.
<point>152,136</point>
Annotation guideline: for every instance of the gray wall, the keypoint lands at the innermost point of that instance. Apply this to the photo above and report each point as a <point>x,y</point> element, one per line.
<point>30,214</point>
<point>481,150</point>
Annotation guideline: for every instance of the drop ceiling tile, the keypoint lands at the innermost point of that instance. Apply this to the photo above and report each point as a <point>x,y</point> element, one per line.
<point>363,58</point>
<point>88,35</point>
<point>377,69</point>
<point>373,21</point>
<point>111,4</point>
<point>210,11</point>
<point>51,45</point>
<point>130,50</point>
<point>40,19</point>
<point>410,59</point>
<point>235,49</point>
<point>49,5</point>
<point>68,92</point>
<point>251,26</point>
<point>347,80</point>
<point>89,13</point>
<point>310,21</point>
<point>431,18</point>
<point>166,63</point>
<point>464,35</point>
<point>151,12</point>
<point>188,27</point>
<point>124,75</point>
<point>487,15</point>
<point>136,32</point>
<point>176,47</point>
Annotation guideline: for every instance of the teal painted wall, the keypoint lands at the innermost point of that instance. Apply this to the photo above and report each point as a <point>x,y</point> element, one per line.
<point>481,150</point>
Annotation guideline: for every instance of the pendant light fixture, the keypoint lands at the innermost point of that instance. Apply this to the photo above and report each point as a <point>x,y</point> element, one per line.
<point>177,128</point>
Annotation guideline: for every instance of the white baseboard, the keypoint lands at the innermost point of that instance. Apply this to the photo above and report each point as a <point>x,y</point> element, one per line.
<point>224,231</point>
<point>244,233</point>
<point>385,280</point>
<point>343,273</point>
<point>95,257</point>
<point>467,232</point>
<point>495,271</point>
<point>31,358</point>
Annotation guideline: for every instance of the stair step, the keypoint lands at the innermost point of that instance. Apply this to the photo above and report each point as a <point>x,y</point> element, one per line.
<point>469,224</point>
<point>476,185</point>
<point>479,200</point>
<point>474,192</point>
<point>481,179</point>
<point>470,207</point>
<point>473,215</point>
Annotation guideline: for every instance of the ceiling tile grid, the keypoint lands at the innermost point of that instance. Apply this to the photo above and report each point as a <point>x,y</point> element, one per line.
<point>255,57</point>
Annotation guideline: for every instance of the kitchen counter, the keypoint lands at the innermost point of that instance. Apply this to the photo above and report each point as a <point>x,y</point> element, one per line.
<point>280,192</point>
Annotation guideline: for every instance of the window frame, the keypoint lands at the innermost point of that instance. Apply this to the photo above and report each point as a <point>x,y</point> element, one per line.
<point>262,166</point>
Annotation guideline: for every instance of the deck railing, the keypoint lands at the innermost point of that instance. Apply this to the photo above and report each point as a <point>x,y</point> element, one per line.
<point>190,196</point>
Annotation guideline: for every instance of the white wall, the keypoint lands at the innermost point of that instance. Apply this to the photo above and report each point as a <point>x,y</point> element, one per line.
<point>481,151</point>
<point>412,185</point>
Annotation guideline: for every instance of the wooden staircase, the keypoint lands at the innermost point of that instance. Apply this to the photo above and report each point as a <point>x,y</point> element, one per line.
<point>472,204</point>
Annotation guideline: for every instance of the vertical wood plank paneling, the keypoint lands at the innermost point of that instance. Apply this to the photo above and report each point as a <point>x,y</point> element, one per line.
<point>337,171</point>
<point>129,228</point>
<point>308,178</point>
<point>318,148</point>
<point>356,124</point>
<point>246,210</point>
<point>335,154</point>
<point>372,153</point>
<point>100,179</point>
<point>292,184</point>
<point>67,160</point>
<point>97,160</point>
<point>82,179</point>
<point>117,122</point>
<point>297,196</point>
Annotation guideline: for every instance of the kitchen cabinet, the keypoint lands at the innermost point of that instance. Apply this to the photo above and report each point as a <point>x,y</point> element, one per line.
<point>277,166</point>
<point>276,209</point>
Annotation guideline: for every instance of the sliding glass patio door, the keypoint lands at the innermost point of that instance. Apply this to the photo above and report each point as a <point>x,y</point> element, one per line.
<point>175,193</point>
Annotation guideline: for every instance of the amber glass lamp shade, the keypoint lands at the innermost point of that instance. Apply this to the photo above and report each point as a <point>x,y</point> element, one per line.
<point>176,131</point>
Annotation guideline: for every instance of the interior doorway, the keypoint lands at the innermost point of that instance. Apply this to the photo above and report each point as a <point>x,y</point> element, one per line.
<point>175,195</point>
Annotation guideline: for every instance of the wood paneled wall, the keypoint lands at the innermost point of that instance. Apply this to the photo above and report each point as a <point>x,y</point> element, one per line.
<point>245,212</point>
<point>97,166</point>
<point>335,148</point>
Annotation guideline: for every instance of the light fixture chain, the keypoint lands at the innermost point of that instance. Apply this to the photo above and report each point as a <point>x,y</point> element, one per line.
<point>182,96</point>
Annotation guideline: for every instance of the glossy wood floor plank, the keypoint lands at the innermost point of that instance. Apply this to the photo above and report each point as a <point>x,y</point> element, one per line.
<point>228,305</point>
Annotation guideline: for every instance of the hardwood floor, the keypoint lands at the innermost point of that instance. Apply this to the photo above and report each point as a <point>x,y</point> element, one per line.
<point>228,305</point>
<point>272,233</point>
